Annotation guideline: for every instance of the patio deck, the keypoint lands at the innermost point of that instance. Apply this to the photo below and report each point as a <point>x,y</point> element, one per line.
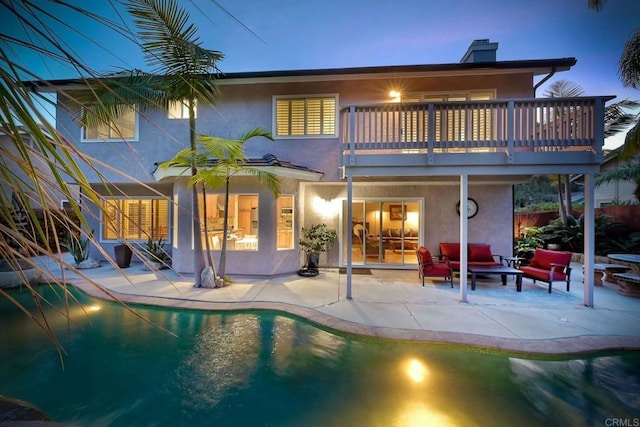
<point>392,304</point>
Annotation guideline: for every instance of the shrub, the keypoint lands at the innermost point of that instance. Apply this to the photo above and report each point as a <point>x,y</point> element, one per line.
<point>608,234</point>
<point>77,246</point>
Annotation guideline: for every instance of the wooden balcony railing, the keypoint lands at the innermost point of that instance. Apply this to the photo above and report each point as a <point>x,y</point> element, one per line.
<point>534,125</point>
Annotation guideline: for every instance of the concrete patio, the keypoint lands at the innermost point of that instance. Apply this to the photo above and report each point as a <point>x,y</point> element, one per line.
<point>392,304</point>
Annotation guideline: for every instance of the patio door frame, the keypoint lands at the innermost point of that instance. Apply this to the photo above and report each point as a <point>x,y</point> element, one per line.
<point>344,241</point>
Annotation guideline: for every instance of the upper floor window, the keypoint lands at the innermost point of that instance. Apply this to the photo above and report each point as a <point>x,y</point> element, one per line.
<point>180,109</point>
<point>305,116</point>
<point>125,126</point>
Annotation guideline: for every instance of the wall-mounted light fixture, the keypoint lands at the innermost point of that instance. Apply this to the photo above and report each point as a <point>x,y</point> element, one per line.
<point>395,96</point>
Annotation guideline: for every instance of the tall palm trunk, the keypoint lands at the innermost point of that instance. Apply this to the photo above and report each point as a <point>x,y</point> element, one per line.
<point>223,252</point>
<point>567,195</point>
<point>198,256</point>
<point>562,211</point>
<point>206,231</point>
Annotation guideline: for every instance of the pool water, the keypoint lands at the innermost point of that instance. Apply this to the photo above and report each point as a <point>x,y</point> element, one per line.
<point>265,369</point>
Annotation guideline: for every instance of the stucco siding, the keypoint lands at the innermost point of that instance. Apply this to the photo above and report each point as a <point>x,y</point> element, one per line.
<point>439,223</point>
<point>268,260</point>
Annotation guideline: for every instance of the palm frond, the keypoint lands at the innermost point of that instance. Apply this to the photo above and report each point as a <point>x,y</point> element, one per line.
<point>221,148</point>
<point>617,119</point>
<point>256,132</point>
<point>268,179</point>
<point>629,171</point>
<point>631,145</point>
<point>169,42</point>
<point>212,177</point>
<point>596,5</point>
<point>630,61</point>
<point>563,89</point>
<point>183,158</point>
<point>110,97</point>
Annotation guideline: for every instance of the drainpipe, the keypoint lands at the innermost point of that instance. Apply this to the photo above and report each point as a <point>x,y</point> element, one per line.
<point>541,82</point>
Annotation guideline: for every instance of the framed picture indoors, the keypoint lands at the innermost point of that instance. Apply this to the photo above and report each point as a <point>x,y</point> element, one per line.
<point>395,213</point>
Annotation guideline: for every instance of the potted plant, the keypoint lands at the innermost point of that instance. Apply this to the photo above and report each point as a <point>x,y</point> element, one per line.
<point>123,254</point>
<point>156,254</point>
<point>315,240</point>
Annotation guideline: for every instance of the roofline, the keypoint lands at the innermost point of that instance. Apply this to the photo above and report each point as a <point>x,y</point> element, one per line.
<point>281,171</point>
<point>547,64</point>
<point>536,66</point>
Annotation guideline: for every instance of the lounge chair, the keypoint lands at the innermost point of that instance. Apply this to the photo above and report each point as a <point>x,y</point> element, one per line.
<point>430,267</point>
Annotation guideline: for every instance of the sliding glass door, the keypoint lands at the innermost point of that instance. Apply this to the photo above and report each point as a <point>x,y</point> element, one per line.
<point>383,232</point>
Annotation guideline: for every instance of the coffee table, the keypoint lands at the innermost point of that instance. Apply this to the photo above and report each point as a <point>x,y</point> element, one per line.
<point>503,271</point>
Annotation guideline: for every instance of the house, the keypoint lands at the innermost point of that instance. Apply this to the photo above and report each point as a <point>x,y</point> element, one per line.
<point>616,191</point>
<point>20,173</point>
<point>387,156</point>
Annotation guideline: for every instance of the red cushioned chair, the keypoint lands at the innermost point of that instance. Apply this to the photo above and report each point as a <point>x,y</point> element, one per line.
<point>549,266</point>
<point>428,268</point>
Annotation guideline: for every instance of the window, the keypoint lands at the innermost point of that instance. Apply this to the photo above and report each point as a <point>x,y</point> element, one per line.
<point>125,126</point>
<point>284,214</point>
<point>305,116</point>
<point>135,219</point>
<point>180,109</point>
<point>451,121</point>
<point>242,226</point>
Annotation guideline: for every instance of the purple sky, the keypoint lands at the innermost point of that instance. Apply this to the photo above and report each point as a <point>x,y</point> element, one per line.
<point>303,34</point>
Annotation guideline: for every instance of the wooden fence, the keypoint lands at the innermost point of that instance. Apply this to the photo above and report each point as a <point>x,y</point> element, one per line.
<point>628,215</point>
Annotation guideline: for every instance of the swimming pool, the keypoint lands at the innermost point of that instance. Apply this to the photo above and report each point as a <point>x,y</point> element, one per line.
<point>265,369</point>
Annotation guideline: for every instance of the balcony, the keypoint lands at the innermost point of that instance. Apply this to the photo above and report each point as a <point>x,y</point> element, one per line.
<point>559,135</point>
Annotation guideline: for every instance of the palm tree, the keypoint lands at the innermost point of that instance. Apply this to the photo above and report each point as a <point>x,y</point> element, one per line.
<point>629,70</point>
<point>617,118</point>
<point>219,160</point>
<point>201,158</point>
<point>37,163</point>
<point>630,75</point>
<point>564,89</point>
<point>629,171</point>
<point>183,72</point>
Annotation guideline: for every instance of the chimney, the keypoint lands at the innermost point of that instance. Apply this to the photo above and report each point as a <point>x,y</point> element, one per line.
<point>480,50</point>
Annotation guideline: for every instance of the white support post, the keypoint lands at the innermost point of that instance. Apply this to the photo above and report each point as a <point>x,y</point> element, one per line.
<point>511,119</point>
<point>464,182</point>
<point>589,238</point>
<point>350,232</point>
<point>352,135</point>
<point>598,136</point>
<point>431,133</point>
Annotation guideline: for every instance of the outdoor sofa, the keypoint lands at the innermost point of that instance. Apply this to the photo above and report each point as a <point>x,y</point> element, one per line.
<point>478,254</point>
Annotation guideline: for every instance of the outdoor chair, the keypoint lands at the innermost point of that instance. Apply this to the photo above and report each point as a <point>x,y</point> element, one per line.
<point>430,267</point>
<point>549,266</point>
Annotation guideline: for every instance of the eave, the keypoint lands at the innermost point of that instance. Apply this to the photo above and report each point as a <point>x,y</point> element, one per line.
<point>535,67</point>
<point>268,163</point>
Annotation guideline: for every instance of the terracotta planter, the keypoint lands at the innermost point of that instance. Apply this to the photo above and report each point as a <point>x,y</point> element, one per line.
<point>123,255</point>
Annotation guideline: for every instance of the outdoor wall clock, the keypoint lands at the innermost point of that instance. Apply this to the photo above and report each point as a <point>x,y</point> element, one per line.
<point>472,208</point>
